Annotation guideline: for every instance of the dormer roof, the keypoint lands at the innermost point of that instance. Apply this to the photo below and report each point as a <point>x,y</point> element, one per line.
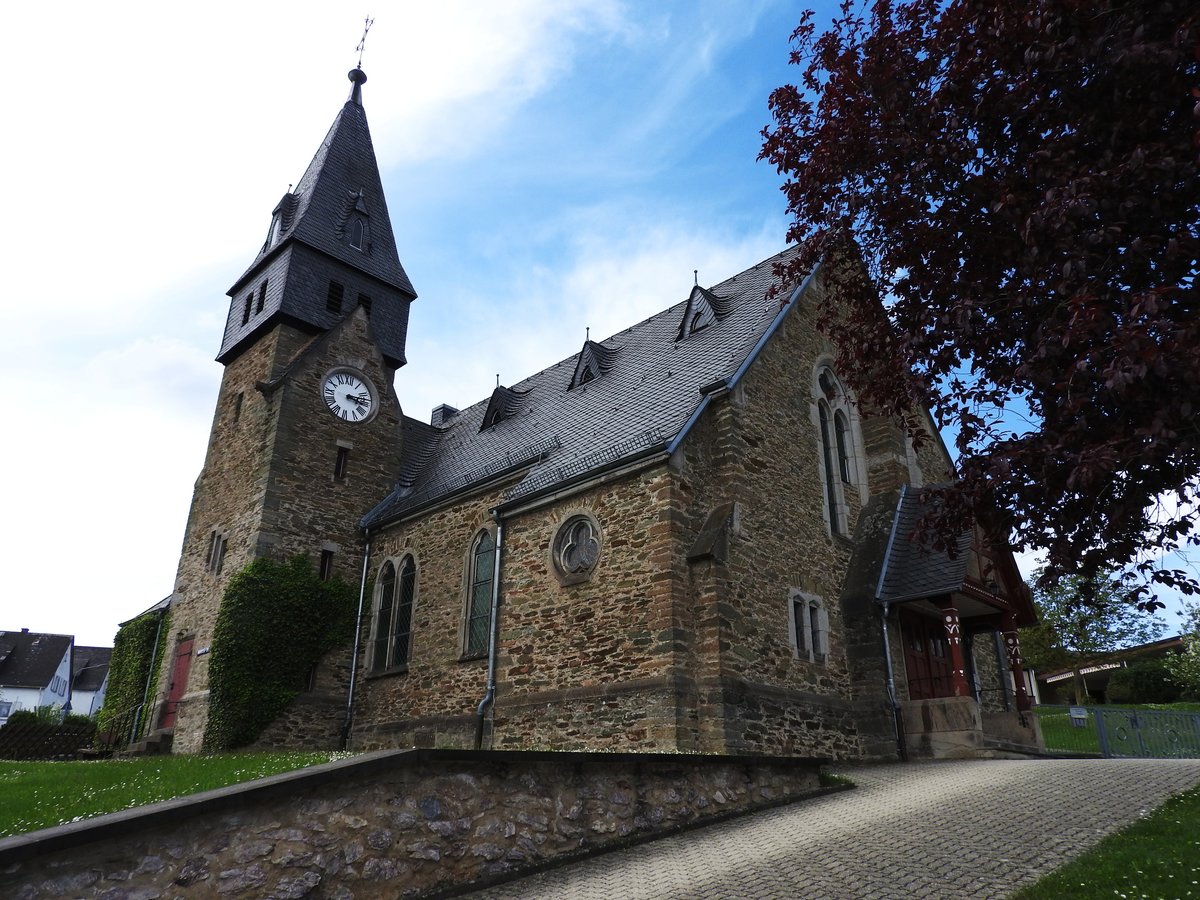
<point>703,308</point>
<point>504,404</point>
<point>592,362</point>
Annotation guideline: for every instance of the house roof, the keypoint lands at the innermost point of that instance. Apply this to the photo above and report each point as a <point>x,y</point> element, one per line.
<point>644,385</point>
<point>90,667</point>
<point>29,659</point>
<point>912,571</point>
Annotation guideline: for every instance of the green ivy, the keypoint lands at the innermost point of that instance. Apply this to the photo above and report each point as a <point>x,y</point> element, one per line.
<point>276,621</point>
<point>133,653</point>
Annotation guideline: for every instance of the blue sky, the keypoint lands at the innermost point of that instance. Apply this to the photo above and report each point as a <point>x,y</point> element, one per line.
<point>549,167</point>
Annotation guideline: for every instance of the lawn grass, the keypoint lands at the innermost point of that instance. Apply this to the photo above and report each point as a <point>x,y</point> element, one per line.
<point>1158,856</point>
<point>43,794</point>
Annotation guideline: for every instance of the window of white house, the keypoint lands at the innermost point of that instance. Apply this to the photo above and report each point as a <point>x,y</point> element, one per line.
<point>808,622</point>
<point>479,594</point>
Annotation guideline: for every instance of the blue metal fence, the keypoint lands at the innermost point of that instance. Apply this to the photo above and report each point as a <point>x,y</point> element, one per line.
<point>1119,732</point>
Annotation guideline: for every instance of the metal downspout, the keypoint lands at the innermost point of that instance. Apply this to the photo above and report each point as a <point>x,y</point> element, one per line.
<point>493,635</point>
<point>358,623</point>
<point>138,720</point>
<point>897,720</point>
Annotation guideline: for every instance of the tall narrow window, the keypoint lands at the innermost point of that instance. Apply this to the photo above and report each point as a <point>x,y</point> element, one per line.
<point>365,302</point>
<point>341,463</point>
<point>383,618</point>
<point>216,552</point>
<point>326,569</point>
<point>831,493</point>
<point>246,307</point>
<point>402,633</point>
<point>237,405</point>
<point>358,232</point>
<point>333,298</point>
<point>841,431</point>
<point>483,561</point>
<point>816,636</point>
<point>262,297</point>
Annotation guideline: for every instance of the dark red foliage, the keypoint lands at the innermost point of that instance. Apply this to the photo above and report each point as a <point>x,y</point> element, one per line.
<point>1022,182</point>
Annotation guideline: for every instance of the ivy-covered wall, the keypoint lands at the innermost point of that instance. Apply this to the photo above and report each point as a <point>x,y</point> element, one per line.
<point>276,622</point>
<point>134,652</point>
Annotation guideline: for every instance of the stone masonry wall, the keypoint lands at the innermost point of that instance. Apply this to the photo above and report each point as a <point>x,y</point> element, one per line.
<point>562,647</point>
<point>269,485</point>
<point>390,825</point>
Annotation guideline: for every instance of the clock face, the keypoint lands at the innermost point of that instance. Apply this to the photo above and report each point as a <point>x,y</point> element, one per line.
<point>348,397</point>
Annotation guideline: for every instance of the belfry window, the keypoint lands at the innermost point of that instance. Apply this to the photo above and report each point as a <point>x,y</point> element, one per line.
<point>246,307</point>
<point>333,298</point>
<point>262,297</point>
<point>358,233</point>
<point>479,594</point>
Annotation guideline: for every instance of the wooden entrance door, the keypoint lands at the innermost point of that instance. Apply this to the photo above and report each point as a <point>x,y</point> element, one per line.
<point>179,677</point>
<point>926,657</point>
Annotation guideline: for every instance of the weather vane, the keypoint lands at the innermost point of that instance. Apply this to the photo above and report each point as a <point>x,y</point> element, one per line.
<point>362,43</point>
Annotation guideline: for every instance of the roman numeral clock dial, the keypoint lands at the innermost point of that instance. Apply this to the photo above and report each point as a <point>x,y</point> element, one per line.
<point>348,396</point>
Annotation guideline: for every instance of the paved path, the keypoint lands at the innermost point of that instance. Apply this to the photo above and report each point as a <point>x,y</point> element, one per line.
<point>978,828</point>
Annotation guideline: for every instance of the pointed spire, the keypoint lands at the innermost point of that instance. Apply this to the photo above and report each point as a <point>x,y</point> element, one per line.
<point>359,78</point>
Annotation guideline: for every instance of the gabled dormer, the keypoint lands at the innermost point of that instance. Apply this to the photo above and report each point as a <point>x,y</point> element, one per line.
<point>593,361</point>
<point>504,404</point>
<point>331,233</point>
<point>703,308</point>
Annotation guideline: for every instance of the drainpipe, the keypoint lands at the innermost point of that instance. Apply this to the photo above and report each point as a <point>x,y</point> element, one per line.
<point>897,719</point>
<point>358,623</point>
<point>138,719</point>
<point>493,636</point>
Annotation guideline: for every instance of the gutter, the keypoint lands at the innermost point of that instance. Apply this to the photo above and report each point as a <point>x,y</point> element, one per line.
<point>489,698</point>
<point>358,623</point>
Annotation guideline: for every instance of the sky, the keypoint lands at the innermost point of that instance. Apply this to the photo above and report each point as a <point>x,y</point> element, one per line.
<point>549,166</point>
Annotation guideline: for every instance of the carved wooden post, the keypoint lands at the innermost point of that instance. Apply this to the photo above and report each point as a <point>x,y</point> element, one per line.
<point>1012,643</point>
<point>954,639</point>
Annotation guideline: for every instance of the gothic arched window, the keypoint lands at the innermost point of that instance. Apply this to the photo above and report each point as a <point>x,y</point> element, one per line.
<point>479,593</point>
<point>383,617</point>
<point>837,437</point>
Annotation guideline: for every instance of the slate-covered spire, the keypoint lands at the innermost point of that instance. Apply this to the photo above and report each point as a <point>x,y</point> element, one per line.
<point>333,227</point>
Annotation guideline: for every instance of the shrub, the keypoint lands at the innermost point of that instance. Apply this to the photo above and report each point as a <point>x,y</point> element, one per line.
<point>1148,681</point>
<point>276,622</point>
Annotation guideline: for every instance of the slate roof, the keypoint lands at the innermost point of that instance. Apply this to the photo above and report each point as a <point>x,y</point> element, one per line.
<point>648,388</point>
<point>90,668</point>
<point>910,571</point>
<point>312,241</point>
<point>29,659</point>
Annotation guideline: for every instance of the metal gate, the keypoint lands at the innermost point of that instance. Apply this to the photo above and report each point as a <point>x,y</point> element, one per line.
<point>1116,732</point>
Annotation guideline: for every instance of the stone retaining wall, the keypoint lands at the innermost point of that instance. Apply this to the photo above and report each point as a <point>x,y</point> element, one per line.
<point>392,824</point>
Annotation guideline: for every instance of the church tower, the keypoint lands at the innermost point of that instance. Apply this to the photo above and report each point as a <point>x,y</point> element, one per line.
<point>306,433</point>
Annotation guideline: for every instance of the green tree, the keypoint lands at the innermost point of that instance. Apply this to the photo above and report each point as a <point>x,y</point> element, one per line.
<point>1071,629</point>
<point>1185,667</point>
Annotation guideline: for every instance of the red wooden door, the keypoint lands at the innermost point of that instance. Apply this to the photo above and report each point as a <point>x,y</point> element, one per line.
<point>179,677</point>
<point>926,657</point>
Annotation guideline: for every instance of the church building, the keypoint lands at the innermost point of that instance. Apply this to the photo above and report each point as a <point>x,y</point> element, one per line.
<point>684,537</point>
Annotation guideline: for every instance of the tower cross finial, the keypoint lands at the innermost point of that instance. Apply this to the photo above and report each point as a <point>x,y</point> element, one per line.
<point>362,42</point>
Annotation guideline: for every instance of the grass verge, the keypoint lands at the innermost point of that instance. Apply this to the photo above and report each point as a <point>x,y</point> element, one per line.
<point>1158,856</point>
<point>44,794</point>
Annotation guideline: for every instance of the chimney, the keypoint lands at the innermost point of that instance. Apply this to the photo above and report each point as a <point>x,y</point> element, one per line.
<point>442,415</point>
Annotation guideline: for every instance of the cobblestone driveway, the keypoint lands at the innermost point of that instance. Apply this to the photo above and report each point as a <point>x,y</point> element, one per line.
<point>978,828</point>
